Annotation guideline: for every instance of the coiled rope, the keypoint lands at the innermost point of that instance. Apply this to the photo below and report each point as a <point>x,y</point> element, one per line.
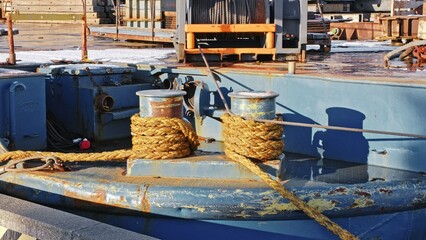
<point>223,12</point>
<point>152,138</point>
<point>245,139</point>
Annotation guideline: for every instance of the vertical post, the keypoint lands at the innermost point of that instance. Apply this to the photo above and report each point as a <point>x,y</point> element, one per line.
<point>190,40</point>
<point>152,19</point>
<point>180,41</point>
<point>278,13</point>
<point>392,8</point>
<point>84,55</point>
<point>117,17</point>
<point>291,67</point>
<point>12,56</point>
<point>270,40</point>
<point>322,16</point>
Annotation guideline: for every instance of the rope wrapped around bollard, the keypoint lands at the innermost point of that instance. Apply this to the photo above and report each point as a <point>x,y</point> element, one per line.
<point>245,139</point>
<point>152,138</point>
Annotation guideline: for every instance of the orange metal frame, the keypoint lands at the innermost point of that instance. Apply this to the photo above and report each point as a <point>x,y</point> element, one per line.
<point>268,29</point>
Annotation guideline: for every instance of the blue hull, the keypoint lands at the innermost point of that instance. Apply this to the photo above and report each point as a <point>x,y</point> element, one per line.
<point>401,225</point>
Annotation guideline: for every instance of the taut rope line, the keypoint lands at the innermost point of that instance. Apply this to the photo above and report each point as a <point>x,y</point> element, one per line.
<point>153,138</point>
<point>235,127</point>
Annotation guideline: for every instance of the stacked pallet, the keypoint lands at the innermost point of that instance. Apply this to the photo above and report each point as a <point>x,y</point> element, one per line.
<point>317,26</point>
<point>407,7</point>
<point>61,11</point>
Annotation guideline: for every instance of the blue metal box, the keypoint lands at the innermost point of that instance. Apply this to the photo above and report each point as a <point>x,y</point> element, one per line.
<point>22,110</point>
<point>94,101</point>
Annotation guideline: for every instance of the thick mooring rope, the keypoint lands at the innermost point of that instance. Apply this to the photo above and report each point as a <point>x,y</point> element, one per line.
<point>152,138</point>
<point>247,135</point>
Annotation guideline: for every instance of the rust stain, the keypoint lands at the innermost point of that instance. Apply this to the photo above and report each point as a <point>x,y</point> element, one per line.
<point>171,107</point>
<point>340,190</point>
<point>362,193</point>
<point>98,196</point>
<point>145,206</point>
<point>384,190</point>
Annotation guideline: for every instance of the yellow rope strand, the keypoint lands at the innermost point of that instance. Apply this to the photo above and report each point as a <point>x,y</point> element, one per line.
<point>153,138</point>
<point>236,128</point>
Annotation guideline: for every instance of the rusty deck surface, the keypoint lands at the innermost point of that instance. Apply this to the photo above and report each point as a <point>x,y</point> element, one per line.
<point>348,65</point>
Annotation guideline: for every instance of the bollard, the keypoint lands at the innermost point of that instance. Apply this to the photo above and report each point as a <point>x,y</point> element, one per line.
<point>254,104</point>
<point>291,67</point>
<point>161,103</point>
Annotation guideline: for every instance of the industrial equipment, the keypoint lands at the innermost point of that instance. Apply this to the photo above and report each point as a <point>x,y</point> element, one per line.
<point>244,30</point>
<point>91,100</point>
<point>22,110</point>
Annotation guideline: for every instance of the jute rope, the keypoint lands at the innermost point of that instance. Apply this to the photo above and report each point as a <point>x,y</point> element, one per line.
<point>247,135</point>
<point>152,138</point>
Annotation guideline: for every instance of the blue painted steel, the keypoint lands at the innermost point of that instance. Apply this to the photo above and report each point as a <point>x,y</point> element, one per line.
<point>385,105</point>
<point>241,206</point>
<point>72,93</point>
<point>22,109</point>
<point>254,104</point>
<point>161,103</point>
<point>196,166</point>
<point>384,226</point>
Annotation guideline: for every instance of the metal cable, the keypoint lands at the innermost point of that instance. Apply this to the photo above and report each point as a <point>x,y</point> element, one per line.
<point>223,12</point>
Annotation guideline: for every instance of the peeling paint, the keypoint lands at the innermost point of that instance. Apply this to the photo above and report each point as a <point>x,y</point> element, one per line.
<point>196,208</point>
<point>420,202</point>
<point>99,196</point>
<point>362,193</point>
<point>362,203</point>
<point>385,190</point>
<point>339,191</point>
<point>276,208</point>
<point>320,204</point>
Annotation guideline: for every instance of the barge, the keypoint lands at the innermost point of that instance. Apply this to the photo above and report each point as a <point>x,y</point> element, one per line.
<point>349,157</point>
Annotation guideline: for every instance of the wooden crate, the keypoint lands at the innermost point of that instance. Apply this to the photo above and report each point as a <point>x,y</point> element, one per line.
<point>61,11</point>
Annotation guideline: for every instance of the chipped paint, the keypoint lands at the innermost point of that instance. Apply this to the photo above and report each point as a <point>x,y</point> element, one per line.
<point>386,191</point>
<point>420,202</point>
<point>99,196</point>
<point>338,191</point>
<point>196,208</point>
<point>362,202</point>
<point>275,208</point>
<point>320,204</point>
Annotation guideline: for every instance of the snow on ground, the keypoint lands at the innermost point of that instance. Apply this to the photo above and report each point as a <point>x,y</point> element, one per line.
<point>157,55</point>
<point>340,46</point>
<point>126,55</point>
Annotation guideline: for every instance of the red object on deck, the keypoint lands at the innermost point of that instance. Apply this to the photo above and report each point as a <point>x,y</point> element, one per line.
<point>85,144</point>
